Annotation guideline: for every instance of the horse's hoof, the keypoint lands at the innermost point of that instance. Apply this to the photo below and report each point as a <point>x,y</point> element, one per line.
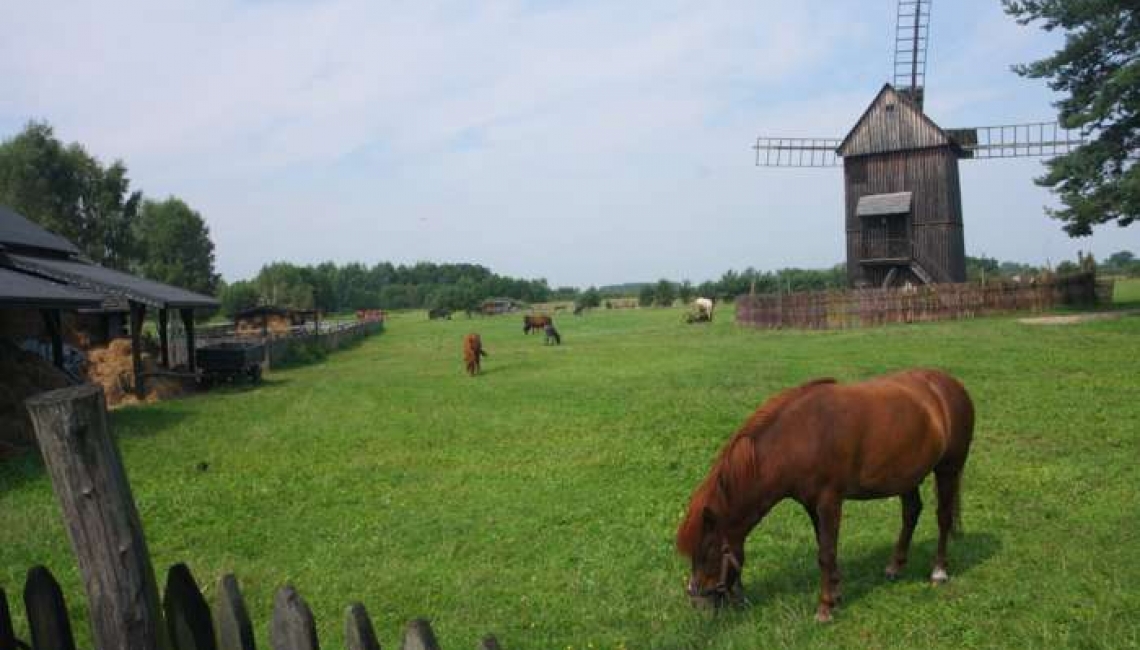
<point>823,614</point>
<point>892,572</point>
<point>939,576</point>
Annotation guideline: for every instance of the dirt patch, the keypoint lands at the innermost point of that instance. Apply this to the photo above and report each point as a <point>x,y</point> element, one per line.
<point>1072,319</point>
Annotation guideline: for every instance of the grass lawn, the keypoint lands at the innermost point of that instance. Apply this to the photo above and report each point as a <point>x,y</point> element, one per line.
<point>539,501</point>
<point>1126,291</point>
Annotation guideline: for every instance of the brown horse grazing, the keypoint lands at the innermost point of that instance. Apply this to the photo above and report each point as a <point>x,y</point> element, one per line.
<point>819,444</point>
<point>472,350</point>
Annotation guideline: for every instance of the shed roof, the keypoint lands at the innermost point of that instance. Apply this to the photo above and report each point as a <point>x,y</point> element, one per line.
<point>18,232</point>
<point>873,205</point>
<point>19,290</point>
<point>115,283</point>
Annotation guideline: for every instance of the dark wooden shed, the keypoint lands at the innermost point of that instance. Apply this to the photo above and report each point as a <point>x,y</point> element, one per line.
<point>903,197</point>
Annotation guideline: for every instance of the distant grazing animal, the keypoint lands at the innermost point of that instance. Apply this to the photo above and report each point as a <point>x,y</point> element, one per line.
<point>552,335</point>
<point>704,306</point>
<point>435,314</point>
<point>821,443</point>
<point>472,351</point>
<point>578,309</point>
<point>535,323</point>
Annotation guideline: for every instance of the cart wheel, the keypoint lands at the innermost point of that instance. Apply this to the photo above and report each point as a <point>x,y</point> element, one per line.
<point>255,374</point>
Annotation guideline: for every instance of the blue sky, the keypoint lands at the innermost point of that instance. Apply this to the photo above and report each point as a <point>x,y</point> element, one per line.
<point>585,142</point>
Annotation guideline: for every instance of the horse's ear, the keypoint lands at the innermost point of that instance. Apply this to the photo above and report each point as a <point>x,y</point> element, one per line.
<point>708,519</point>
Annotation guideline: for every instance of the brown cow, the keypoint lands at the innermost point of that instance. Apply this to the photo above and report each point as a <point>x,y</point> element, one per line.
<point>536,323</point>
<point>472,350</point>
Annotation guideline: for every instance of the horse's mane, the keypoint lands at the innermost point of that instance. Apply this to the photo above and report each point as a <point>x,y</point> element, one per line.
<point>735,466</point>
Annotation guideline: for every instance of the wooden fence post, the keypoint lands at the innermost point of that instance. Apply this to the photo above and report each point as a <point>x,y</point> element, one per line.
<point>231,618</point>
<point>102,522</point>
<point>292,627</point>
<point>358,632</point>
<point>48,623</point>
<point>188,620</point>
<point>419,636</point>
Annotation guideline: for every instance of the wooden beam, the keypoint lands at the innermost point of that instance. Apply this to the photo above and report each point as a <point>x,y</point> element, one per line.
<point>188,325</point>
<point>163,336</point>
<point>138,315</point>
<point>55,330</point>
<point>99,512</point>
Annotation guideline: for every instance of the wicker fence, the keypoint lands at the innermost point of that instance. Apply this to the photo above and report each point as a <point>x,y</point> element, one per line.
<point>872,307</point>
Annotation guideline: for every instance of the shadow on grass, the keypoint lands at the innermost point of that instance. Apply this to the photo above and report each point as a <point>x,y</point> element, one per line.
<point>863,573</point>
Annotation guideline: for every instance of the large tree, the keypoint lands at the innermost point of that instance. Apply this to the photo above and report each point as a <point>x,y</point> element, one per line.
<point>68,191</point>
<point>175,247</point>
<point>1098,70</point>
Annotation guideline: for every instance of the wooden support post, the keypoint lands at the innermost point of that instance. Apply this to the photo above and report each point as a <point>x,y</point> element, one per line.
<point>231,618</point>
<point>292,627</point>
<point>55,331</point>
<point>163,337</point>
<point>188,325</point>
<point>102,522</point>
<point>358,632</point>
<point>48,621</point>
<point>138,314</point>
<point>419,636</point>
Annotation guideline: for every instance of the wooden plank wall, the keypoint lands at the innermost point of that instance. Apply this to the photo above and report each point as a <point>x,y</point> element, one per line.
<point>873,307</point>
<point>936,212</point>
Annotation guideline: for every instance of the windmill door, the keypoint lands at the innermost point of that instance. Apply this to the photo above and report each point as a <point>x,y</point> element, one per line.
<point>885,228</point>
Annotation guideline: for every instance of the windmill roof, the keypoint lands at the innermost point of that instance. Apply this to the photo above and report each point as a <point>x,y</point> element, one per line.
<point>873,205</point>
<point>893,122</point>
<point>18,232</point>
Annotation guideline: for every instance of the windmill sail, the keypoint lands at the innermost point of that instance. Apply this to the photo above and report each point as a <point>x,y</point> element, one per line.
<point>796,152</point>
<point>912,35</point>
<point>1031,140</point>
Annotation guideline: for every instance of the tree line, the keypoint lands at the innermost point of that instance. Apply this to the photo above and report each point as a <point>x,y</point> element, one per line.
<point>70,192</point>
<point>330,287</point>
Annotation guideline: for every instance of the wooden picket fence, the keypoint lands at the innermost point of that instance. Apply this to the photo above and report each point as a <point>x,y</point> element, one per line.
<point>192,624</point>
<point>873,307</point>
<point>124,608</point>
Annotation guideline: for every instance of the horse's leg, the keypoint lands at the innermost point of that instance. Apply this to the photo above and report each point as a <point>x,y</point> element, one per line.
<point>947,483</point>
<point>911,508</point>
<point>830,512</point>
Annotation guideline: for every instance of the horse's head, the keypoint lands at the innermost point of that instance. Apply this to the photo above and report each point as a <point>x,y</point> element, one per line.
<point>717,562</point>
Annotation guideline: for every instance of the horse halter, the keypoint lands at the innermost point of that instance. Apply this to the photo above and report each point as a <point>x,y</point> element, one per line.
<point>721,589</point>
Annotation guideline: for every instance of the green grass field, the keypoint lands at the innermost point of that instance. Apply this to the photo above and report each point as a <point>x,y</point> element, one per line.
<point>539,501</point>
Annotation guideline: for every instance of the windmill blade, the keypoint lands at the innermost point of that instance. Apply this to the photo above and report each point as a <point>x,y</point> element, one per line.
<point>912,35</point>
<point>797,152</point>
<point>1032,140</point>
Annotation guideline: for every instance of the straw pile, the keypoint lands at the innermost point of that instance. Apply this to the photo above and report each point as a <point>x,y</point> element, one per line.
<point>25,374</point>
<point>276,324</point>
<point>111,368</point>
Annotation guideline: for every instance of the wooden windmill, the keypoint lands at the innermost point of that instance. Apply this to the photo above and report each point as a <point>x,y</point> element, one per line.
<point>902,191</point>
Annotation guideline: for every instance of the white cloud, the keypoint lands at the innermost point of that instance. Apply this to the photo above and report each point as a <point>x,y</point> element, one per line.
<point>586,142</point>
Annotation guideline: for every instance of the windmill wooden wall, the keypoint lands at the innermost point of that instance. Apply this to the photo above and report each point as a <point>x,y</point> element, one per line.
<point>895,148</point>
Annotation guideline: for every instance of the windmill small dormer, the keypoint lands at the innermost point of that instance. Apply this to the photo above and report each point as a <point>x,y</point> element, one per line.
<point>903,203</point>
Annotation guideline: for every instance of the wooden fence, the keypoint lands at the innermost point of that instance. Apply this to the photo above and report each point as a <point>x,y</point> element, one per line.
<point>191,623</point>
<point>106,535</point>
<point>286,347</point>
<point>873,307</point>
